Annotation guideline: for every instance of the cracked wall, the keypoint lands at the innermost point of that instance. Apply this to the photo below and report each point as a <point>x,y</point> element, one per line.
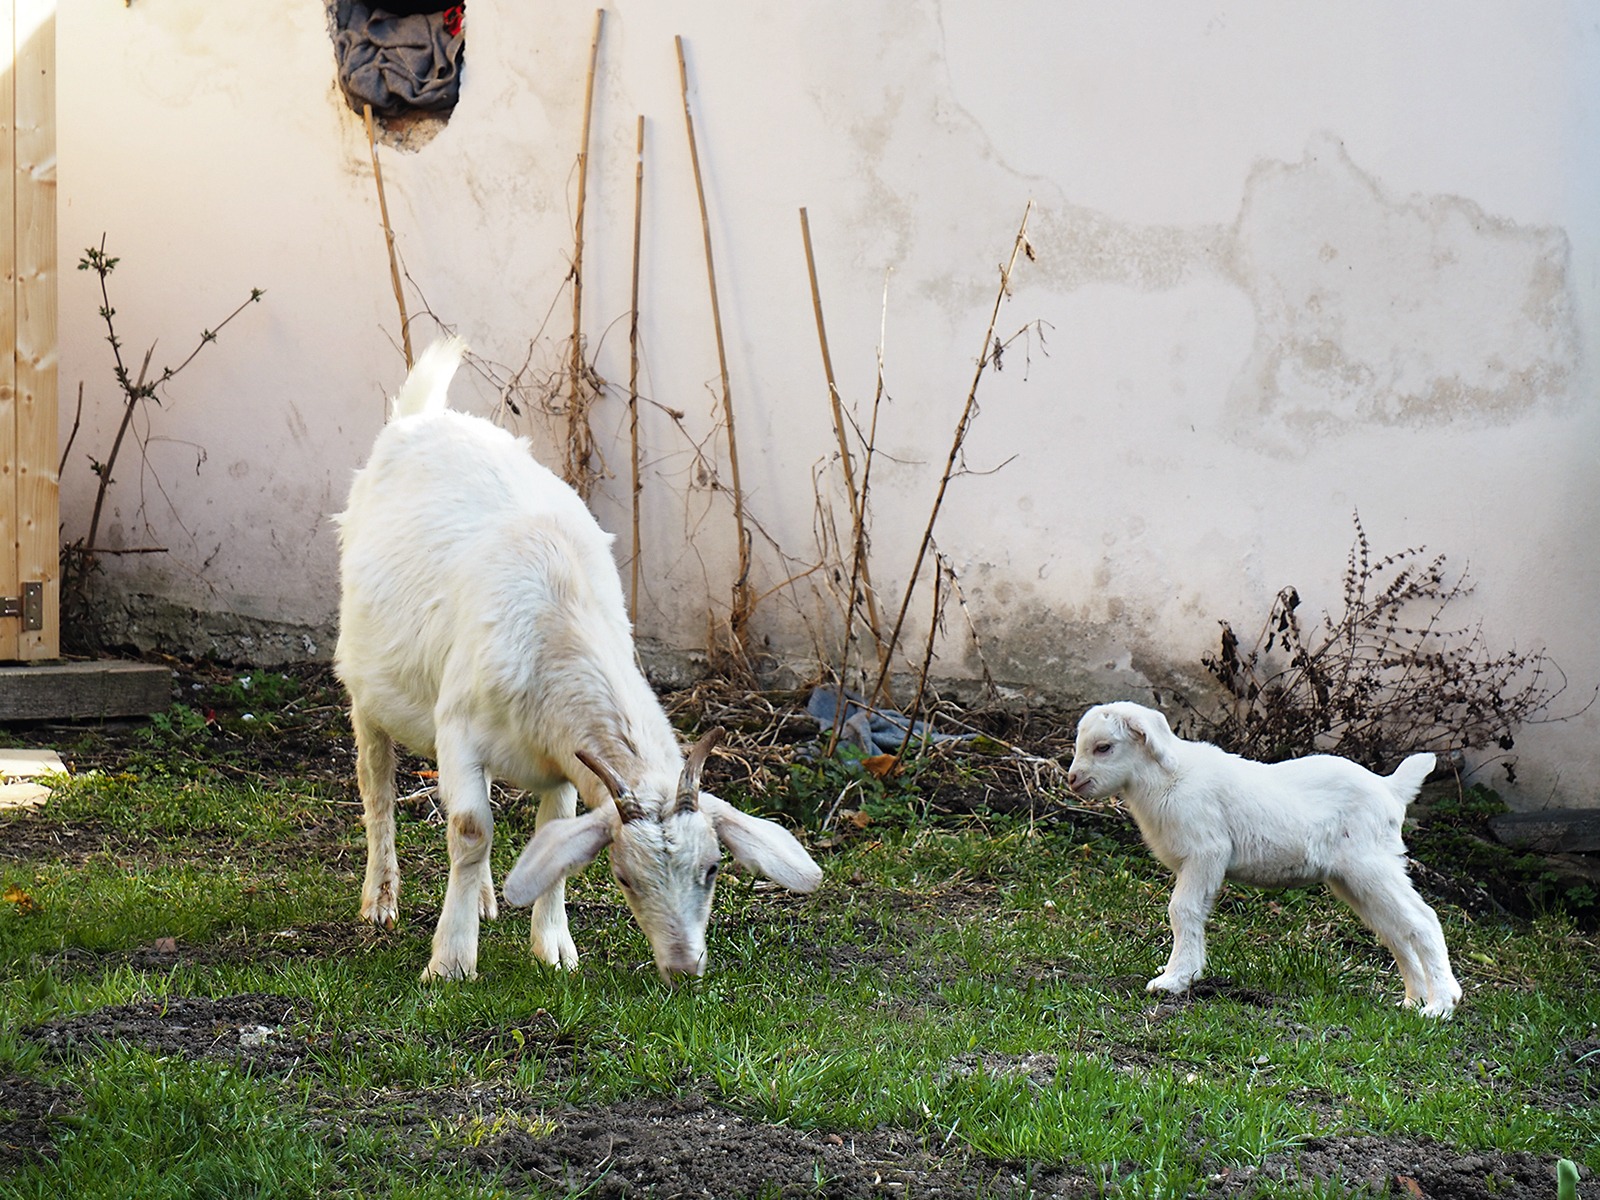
<point>1289,263</point>
<point>1379,311</point>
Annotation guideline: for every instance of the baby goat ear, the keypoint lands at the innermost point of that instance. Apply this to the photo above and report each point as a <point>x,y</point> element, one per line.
<point>559,848</point>
<point>762,846</point>
<point>1150,727</point>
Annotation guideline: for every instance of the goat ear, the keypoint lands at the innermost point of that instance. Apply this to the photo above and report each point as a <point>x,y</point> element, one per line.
<point>1151,728</point>
<point>762,846</point>
<point>559,848</point>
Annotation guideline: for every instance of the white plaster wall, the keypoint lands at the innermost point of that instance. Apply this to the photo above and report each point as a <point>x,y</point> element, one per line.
<point>1291,261</point>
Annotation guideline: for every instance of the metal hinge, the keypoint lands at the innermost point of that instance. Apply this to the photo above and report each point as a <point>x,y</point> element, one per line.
<point>29,606</point>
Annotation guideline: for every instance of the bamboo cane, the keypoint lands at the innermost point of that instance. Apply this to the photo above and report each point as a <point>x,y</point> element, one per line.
<point>858,550</point>
<point>388,236</point>
<point>741,587</point>
<point>633,368</point>
<point>580,441</point>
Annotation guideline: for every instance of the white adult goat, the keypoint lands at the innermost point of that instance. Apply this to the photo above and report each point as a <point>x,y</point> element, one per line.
<point>482,623</point>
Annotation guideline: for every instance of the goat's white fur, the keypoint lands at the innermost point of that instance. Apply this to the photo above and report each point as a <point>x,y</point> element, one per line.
<point>482,623</point>
<point>1210,815</point>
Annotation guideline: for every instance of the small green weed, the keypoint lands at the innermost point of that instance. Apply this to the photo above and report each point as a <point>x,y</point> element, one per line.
<point>822,788</point>
<point>264,690</point>
<point>179,728</point>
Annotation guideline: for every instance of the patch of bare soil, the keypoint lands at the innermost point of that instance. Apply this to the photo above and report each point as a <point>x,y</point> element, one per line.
<point>1416,1169</point>
<point>251,1028</point>
<point>40,837</point>
<point>29,1112</point>
<point>319,940</point>
<point>686,1146</point>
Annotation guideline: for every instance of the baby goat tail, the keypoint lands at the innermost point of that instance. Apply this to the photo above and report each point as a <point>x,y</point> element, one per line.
<point>1408,777</point>
<point>426,388</point>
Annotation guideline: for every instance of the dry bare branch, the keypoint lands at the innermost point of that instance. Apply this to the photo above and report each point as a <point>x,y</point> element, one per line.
<point>968,412</point>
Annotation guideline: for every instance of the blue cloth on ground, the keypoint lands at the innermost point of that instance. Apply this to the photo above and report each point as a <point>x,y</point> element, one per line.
<point>873,730</point>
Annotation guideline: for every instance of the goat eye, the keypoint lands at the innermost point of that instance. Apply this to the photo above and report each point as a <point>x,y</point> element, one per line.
<point>1103,748</point>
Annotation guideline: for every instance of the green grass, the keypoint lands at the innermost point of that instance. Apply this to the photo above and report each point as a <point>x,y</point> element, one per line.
<point>919,990</point>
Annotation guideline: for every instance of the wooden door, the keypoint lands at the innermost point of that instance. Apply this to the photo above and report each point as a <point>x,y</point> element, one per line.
<point>29,502</point>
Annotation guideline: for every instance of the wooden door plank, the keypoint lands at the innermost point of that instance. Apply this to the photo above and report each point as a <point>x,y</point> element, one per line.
<point>38,501</point>
<point>10,507</point>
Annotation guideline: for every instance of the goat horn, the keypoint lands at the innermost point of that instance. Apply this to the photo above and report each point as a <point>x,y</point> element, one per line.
<point>689,781</point>
<point>627,807</point>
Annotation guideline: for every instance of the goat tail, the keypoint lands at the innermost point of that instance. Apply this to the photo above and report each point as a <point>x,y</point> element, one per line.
<point>427,386</point>
<point>1408,776</point>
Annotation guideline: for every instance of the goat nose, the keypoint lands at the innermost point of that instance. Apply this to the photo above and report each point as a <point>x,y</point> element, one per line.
<point>1072,780</point>
<point>684,967</point>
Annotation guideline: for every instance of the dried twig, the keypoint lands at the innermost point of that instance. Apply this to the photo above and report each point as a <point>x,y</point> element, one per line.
<point>968,412</point>
<point>927,656</point>
<point>857,499</point>
<point>134,391</point>
<point>80,559</point>
<point>972,626</point>
<point>743,605</point>
<point>77,416</point>
<point>858,549</point>
<point>388,236</point>
<point>1374,682</point>
<point>133,394</point>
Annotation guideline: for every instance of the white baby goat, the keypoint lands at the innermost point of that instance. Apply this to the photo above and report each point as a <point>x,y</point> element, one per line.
<point>1209,815</point>
<point>482,623</point>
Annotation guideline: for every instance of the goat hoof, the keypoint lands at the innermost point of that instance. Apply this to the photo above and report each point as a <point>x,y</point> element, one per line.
<point>558,952</point>
<point>380,920</point>
<point>380,906</point>
<point>1171,984</point>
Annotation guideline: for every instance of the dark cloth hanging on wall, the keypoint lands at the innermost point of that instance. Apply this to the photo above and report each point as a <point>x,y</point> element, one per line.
<point>399,61</point>
<point>412,8</point>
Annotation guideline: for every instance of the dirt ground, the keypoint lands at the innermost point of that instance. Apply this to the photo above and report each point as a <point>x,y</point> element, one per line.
<point>688,1146</point>
<point>675,1147</point>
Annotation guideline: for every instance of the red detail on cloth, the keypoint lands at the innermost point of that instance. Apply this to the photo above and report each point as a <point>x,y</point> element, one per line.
<point>453,18</point>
